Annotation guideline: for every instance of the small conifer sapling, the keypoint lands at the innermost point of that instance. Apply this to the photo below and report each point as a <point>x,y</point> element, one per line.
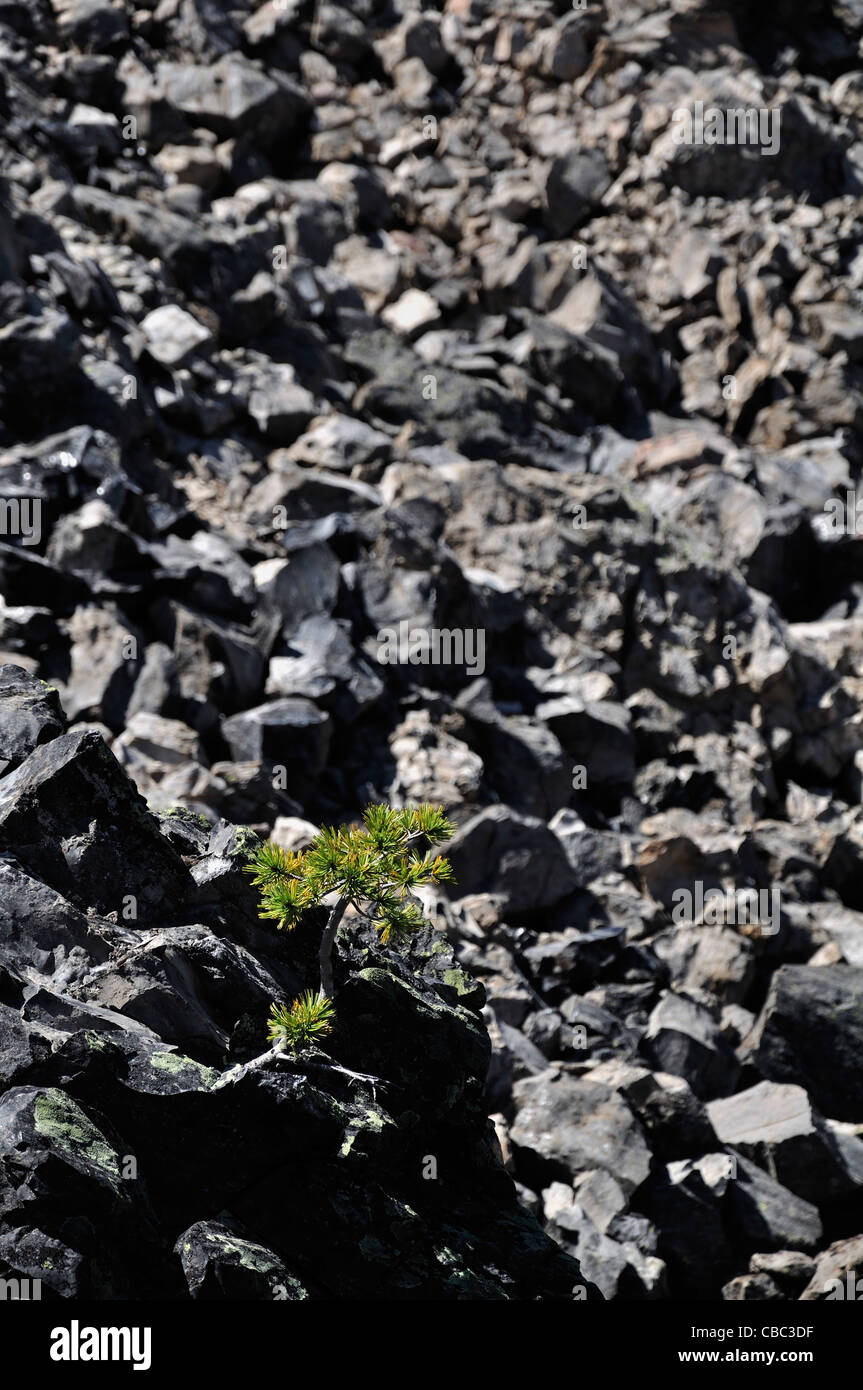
<point>373,867</point>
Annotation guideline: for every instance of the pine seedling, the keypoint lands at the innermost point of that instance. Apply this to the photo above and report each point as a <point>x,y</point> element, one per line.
<point>373,867</point>
<point>306,1020</point>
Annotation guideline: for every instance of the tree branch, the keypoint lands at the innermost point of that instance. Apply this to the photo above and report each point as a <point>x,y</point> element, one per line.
<point>298,1065</point>
<point>325,954</point>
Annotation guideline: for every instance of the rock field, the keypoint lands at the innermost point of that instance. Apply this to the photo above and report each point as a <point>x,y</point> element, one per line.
<point>394,408</point>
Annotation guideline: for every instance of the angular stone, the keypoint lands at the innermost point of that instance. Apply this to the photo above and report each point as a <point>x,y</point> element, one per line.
<point>231,97</point>
<point>751,1288</point>
<point>570,1126</point>
<point>105,664</point>
<point>30,714</point>
<point>684,1201</point>
<point>280,406</point>
<point>70,815</point>
<point>289,732</point>
<point>517,857</point>
<point>300,587</point>
<point>576,183</point>
<point>838,1273</point>
<point>810,1033</point>
<point>776,1127</point>
<point>219,1261</point>
<point>768,1215</point>
<point>675,1121</point>
<point>173,335</point>
<point>412,313</point>
<point>683,1039</point>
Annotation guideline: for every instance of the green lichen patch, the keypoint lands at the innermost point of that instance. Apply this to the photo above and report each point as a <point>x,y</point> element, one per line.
<point>244,1252</point>
<point>361,1132</point>
<point>60,1120</point>
<point>177,1065</point>
<point>182,813</point>
<point>246,840</point>
<point>468,989</point>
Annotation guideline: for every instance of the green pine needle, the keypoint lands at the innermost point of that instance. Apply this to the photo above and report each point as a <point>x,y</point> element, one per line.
<point>309,1018</point>
<point>374,866</point>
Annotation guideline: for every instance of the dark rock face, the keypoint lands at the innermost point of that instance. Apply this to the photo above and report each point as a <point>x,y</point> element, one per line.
<point>683,1039</point>
<point>69,815</point>
<point>118,1101</point>
<point>514,857</point>
<point>811,1031</point>
<point>31,715</point>
<point>414,405</point>
<point>777,1128</point>
<point>576,183</point>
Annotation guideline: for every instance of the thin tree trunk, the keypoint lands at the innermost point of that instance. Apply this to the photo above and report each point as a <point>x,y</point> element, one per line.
<point>325,954</point>
<point>277,1054</point>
